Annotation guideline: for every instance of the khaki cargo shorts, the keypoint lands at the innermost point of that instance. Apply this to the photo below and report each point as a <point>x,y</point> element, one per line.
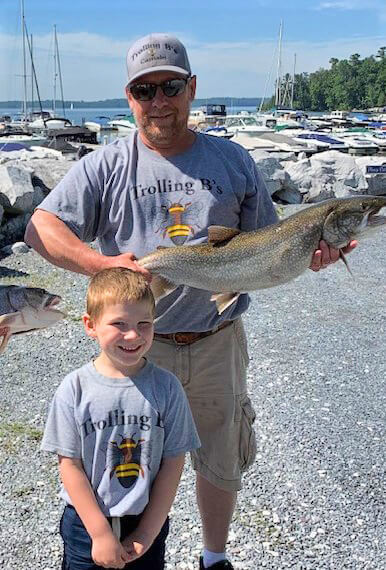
<point>212,371</point>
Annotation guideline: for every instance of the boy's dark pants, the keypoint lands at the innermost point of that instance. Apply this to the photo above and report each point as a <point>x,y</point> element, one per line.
<point>77,544</point>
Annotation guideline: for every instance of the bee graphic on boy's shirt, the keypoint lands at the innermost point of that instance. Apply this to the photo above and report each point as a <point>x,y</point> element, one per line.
<point>127,459</point>
<point>177,220</point>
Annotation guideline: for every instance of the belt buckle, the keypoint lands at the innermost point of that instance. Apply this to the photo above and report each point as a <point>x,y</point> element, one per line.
<point>174,338</point>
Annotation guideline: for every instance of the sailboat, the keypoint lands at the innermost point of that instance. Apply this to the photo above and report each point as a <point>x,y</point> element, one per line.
<point>49,119</point>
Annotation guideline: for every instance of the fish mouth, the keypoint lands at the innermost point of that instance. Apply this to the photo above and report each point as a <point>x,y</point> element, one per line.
<point>51,303</point>
<point>376,219</point>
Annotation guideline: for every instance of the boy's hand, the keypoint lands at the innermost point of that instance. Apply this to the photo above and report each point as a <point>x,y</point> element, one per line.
<point>108,552</point>
<point>136,544</point>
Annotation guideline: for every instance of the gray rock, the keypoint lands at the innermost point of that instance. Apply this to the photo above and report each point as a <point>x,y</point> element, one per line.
<point>13,230</point>
<point>271,170</point>
<point>327,175</point>
<point>19,247</point>
<point>376,182</point>
<point>16,190</point>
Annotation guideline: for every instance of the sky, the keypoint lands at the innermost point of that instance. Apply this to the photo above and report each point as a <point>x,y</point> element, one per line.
<point>232,46</point>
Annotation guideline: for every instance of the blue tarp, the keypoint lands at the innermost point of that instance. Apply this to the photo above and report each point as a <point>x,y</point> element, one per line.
<point>8,147</point>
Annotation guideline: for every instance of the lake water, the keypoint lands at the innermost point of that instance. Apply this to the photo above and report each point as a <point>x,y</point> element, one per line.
<point>78,116</point>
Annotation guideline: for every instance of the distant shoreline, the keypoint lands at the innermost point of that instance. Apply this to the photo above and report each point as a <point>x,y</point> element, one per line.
<point>122,103</point>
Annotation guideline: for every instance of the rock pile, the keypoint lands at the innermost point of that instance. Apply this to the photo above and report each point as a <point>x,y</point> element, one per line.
<point>27,176</point>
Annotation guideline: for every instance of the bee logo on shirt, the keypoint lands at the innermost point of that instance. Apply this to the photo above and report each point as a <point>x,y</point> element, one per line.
<point>177,220</point>
<point>124,460</point>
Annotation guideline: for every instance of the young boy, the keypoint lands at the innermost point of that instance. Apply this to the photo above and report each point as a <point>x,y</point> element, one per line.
<point>121,427</point>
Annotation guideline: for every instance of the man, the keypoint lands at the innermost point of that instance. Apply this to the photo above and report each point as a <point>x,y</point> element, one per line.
<point>164,185</point>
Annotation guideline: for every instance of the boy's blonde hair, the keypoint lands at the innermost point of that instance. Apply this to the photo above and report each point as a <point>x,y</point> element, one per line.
<point>116,285</point>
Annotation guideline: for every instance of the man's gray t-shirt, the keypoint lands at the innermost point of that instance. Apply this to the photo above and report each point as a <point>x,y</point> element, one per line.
<point>121,429</point>
<point>133,199</point>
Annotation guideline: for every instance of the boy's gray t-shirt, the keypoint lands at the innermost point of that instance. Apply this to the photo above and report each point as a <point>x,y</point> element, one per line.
<point>121,429</point>
<point>133,199</point>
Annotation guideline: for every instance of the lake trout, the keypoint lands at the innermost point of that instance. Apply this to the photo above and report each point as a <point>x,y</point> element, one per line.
<point>23,309</point>
<point>234,262</point>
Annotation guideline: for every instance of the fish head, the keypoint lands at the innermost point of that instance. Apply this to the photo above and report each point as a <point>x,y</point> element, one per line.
<point>23,309</point>
<point>40,299</point>
<point>350,218</point>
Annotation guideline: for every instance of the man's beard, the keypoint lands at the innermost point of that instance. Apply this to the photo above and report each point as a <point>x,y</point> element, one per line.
<point>167,133</point>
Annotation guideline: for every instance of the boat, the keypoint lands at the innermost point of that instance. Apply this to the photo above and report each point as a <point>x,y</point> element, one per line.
<point>376,136</point>
<point>289,144</point>
<point>99,123</point>
<point>323,141</point>
<point>40,120</point>
<point>358,144</point>
<point>207,116</point>
<point>250,125</point>
<point>251,143</point>
<point>20,137</point>
<point>123,122</point>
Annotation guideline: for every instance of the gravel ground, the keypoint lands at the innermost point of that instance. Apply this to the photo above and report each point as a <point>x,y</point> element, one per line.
<point>315,497</point>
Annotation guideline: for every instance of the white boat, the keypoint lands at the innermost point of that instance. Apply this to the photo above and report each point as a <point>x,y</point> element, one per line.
<point>99,123</point>
<point>288,144</point>
<point>124,123</point>
<point>376,136</point>
<point>249,125</point>
<point>21,138</point>
<point>289,117</point>
<point>254,142</point>
<point>358,144</point>
<point>210,115</point>
<point>38,120</point>
<point>323,141</point>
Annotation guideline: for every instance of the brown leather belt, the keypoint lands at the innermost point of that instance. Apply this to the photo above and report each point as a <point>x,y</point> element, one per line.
<point>182,338</point>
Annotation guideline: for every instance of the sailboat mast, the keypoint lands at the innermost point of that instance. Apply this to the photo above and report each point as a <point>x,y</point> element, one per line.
<point>278,75</point>
<point>32,75</point>
<point>24,62</point>
<point>293,83</point>
<point>60,73</point>
<point>55,73</point>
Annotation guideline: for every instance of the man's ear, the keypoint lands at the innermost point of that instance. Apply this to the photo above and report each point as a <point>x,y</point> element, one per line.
<point>128,97</point>
<point>89,326</point>
<point>192,87</point>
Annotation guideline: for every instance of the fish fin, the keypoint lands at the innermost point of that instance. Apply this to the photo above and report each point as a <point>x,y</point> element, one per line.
<point>220,235</point>
<point>344,259</point>
<point>5,335</point>
<point>224,300</point>
<point>162,247</point>
<point>161,287</point>
<point>9,319</point>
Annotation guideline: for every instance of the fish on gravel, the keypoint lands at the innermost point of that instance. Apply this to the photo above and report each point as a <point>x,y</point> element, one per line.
<point>234,262</point>
<point>24,309</point>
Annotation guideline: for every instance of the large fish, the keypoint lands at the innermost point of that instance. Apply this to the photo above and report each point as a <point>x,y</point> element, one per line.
<point>234,262</point>
<point>24,309</point>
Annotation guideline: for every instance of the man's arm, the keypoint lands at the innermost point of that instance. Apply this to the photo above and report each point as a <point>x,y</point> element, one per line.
<point>106,551</point>
<point>161,499</point>
<point>54,241</point>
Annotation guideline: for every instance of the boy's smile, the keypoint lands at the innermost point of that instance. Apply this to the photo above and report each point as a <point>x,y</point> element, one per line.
<point>124,332</point>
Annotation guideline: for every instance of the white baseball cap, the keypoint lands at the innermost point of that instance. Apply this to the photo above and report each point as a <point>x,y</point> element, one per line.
<point>156,52</point>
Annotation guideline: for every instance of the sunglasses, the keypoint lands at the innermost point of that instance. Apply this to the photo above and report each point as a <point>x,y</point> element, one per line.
<point>147,91</point>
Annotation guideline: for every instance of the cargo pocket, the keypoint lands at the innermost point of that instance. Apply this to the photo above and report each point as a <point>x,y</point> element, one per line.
<point>247,433</point>
<point>241,340</point>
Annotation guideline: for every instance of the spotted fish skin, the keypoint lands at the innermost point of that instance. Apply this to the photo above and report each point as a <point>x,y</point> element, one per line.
<point>234,262</point>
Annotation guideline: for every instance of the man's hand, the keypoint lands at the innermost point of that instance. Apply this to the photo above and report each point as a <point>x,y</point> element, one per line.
<point>136,544</point>
<point>108,552</point>
<point>326,255</point>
